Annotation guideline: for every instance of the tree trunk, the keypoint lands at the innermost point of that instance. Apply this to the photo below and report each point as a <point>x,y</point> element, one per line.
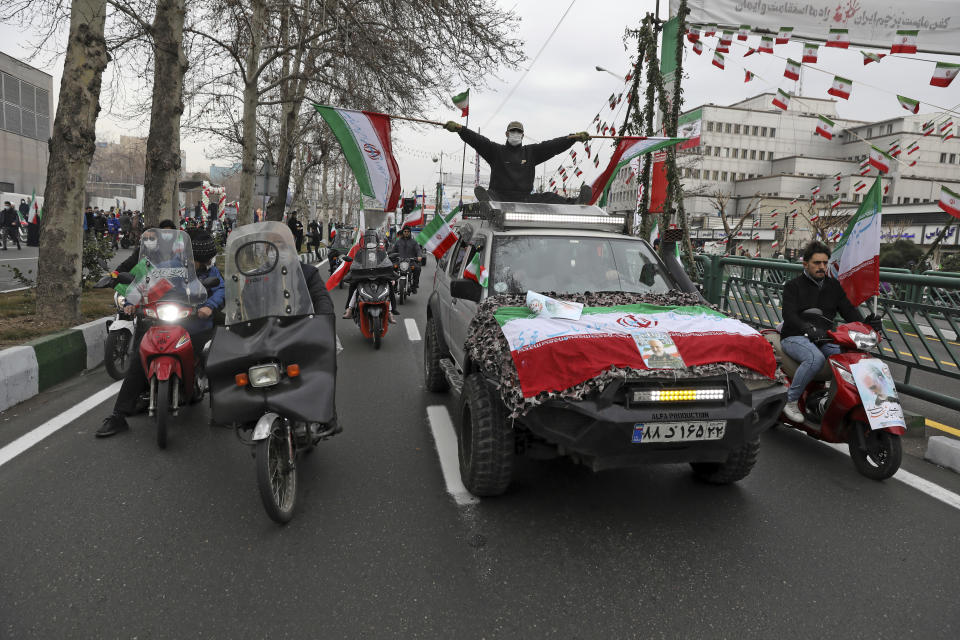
<point>163,142</point>
<point>250,100</point>
<point>59,271</point>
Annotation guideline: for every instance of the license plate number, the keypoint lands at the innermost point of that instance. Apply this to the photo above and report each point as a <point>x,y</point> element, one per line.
<point>678,431</point>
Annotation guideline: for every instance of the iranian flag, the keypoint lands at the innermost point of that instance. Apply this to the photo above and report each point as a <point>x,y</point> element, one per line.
<point>950,132</point>
<point>949,202</point>
<point>905,42</point>
<point>627,149</point>
<point>438,236</point>
<point>839,38</point>
<point>718,59</point>
<point>929,128</point>
<point>726,39</point>
<point>825,127</point>
<point>810,51</point>
<point>364,137</point>
<point>750,52</point>
<point>841,87</point>
<point>766,45</point>
<point>710,30</point>
<point>476,271</point>
<point>462,101</point>
<point>880,160</point>
<point>944,73</point>
<point>36,213</point>
<point>743,32</point>
<point>783,36</point>
<point>414,218</point>
<point>553,354</point>
<point>872,57</point>
<point>909,104</point>
<point>337,276</point>
<point>792,69</point>
<point>914,146</point>
<point>781,100</point>
<point>860,185</point>
<point>698,47</point>
<point>815,190</point>
<point>856,260</point>
<point>693,35</point>
<point>748,75</point>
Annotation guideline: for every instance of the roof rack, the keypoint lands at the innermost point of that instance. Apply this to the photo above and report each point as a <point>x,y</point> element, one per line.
<point>514,215</point>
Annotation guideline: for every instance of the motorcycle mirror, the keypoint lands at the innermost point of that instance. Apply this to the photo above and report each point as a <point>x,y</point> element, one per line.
<point>466,289</point>
<point>104,282</point>
<point>124,277</point>
<point>211,282</point>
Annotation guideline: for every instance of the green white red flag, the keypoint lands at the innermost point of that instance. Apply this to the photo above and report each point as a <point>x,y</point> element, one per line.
<point>555,354</point>
<point>36,213</point>
<point>462,101</point>
<point>839,38</point>
<point>825,127</point>
<point>869,57</point>
<point>810,51</point>
<point>476,271</point>
<point>905,41</point>
<point>627,149</point>
<point>911,105</point>
<point>950,202</point>
<point>856,260</point>
<point>766,45</point>
<point>783,36</point>
<point>364,137</point>
<point>438,236</point>
<point>781,100</point>
<point>414,218</point>
<point>718,60</point>
<point>879,160</point>
<point>337,276</point>
<point>792,70</point>
<point>944,73</point>
<point>841,87</point>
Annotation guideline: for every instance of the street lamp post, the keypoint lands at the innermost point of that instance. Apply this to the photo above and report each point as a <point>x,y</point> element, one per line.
<point>599,68</point>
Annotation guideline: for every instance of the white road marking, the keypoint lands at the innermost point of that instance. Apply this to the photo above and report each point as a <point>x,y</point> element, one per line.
<point>925,486</point>
<point>15,259</point>
<point>412,332</point>
<point>325,261</point>
<point>18,289</point>
<point>56,423</point>
<point>446,440</point>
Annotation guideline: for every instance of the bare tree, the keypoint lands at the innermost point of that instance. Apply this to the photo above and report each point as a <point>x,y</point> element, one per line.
<point>732,224</point>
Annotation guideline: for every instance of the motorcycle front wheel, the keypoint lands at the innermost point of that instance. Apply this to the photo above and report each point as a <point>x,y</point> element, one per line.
<point>880,456</point>
<point>403,291</point>
<point>277,473</point>
<point>117,354</point>
<point>163,410</point>
<point>375,330</point>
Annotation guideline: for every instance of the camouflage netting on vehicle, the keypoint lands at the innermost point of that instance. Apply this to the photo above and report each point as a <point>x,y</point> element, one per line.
<point>487,347</point>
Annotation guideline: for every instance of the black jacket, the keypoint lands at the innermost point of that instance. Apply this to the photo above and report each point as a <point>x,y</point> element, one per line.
<point>802,293</point>
<point>512,169</point>
<point>407,248</point>
<point>322,304</point>
<point>10,218</point>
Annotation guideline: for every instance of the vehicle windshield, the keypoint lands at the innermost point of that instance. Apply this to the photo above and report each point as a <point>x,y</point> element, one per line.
<point>574,265</point>
<point>343,240</point>
<point>167,272</point>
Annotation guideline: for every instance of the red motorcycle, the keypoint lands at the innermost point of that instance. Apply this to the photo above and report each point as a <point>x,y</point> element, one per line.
<point>852,400</point>
<point>166,295</point>
<point>373,272</point>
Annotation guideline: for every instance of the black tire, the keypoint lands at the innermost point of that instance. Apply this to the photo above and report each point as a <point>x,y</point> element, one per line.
<point>432,373</point>
<point>882,456</point>
<point>486,440</point>
<point>737,466</point>
<point>375,329</point>
<point>117,354</point>
<point>403,292</point>
<point>163,410</point>
<point>276,477</point>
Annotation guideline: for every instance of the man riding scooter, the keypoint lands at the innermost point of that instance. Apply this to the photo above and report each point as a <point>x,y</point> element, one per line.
<point>199,326</point>
<point>407,248</point>
<point>812,289</point>
<point>373,255</point>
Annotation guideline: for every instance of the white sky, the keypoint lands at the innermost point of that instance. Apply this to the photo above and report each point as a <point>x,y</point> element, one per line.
<point>562,91</point>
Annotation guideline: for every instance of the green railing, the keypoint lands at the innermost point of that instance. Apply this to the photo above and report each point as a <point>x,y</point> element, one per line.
<point>921,314</point>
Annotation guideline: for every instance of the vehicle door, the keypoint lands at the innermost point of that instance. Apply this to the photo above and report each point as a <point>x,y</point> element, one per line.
<point>447,302</point>
<point>463,311</point>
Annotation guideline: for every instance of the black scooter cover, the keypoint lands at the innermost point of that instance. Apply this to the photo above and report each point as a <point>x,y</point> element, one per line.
<point>307,341</point>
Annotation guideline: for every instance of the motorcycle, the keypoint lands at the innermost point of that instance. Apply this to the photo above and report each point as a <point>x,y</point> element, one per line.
<point>334,260</point>
<point>166,294</point>
<point>118,348</point>
<point>852,400</point>
<point>373,276</point>
<point>272,367</point>
<point>407,268</point>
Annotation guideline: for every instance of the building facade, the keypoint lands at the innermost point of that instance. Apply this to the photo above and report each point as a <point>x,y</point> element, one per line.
<point>26,116</point>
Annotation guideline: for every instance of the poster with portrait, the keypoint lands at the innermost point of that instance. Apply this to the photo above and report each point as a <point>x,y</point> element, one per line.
<point>879,393</point>
<point>548,307</point>
<point>659,351</point>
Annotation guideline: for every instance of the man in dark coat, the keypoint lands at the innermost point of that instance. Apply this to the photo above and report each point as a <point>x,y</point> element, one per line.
<point>11,225</point>
<point>24,209</point>
<point>513,165</point>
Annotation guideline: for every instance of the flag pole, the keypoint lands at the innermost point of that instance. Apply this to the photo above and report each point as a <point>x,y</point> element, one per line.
<point>463,162</point>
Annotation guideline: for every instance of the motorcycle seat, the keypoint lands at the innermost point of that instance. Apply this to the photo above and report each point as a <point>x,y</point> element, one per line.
<point>789,365</point>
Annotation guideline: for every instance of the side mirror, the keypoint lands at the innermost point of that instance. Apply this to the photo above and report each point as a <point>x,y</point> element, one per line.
<point>104,282</point>
<point>124,277</point>
<point>466,289</point>
<point>813,312</point>
<point>347,259</point>
<point>210,283</point>
<point>647,273</point>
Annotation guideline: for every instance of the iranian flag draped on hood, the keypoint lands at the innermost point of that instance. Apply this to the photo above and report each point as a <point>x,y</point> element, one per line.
<point>553,354</point>
<point>856,260</point>
<point>365,139</point>
<point>627,149</point>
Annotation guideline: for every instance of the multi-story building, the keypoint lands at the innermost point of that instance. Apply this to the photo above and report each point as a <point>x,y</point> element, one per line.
<point>26,108</point>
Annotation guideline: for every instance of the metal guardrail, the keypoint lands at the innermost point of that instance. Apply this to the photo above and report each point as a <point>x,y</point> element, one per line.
<point>921,313</point>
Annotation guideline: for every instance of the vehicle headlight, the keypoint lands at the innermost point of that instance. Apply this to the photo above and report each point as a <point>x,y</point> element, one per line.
<point>864,341</point>
<point>679,395</point>
<point>844,374</point>
<point>171,312</point>
<point>264,375</point>
<point>383,293</point>
<point>404,265</point>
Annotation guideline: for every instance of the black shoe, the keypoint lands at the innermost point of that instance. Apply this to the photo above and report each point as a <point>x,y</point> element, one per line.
<point>395,312</point>
<point>112,425</point>
<point>585,194</point>
<point>481,194</point>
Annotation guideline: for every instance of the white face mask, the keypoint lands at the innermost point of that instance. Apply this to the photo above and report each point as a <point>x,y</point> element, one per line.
<point>514,138</point>
<point>149,245</point>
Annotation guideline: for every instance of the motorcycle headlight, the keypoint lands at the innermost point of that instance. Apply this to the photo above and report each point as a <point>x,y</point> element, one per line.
<point>404,265</point>
<point>844,374</point>
<point>264,375</point>
<point>383,293</point>
<point>171,312</point>
<point>864,341</point>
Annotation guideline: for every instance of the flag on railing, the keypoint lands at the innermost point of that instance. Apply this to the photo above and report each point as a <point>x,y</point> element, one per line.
<point>856,260</point>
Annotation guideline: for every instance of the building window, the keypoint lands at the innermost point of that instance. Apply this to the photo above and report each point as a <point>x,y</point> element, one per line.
<point>736,128</point>
<point>723,176</point>
<point>709,126</point>
<point>755,130</point>
<point>943,157</point>
<point>716,176</point>
<point>916,200</point>
<point>753,154</point>
<point>953,158</point>
<point>869,132</point>
<point>763,132</point>
<point>696,173</point>
<point>726,152</point>
<point>773,132</point>
<point>733,153</point>
<point>886,199</point>
<point>763,155</point>
<point>716,151</point>
<point>706,151</point>
<point>726,127</point>
<point>889,128</point>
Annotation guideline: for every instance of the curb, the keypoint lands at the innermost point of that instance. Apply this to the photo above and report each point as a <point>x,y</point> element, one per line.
<point>307,257</point>
<point>38,365</point>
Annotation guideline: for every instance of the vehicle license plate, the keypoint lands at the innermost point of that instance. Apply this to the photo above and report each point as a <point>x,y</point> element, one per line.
<point>678,431</point>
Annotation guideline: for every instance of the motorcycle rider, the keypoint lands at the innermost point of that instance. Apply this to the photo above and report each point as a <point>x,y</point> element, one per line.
<point>407,248</point>
<point>812,289</point>
<point>199,326</point>
<point>513,165</point>
<point>371,237</point>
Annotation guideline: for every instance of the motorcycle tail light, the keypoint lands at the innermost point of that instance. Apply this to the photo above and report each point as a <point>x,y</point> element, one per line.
<point>241,379</point>
<point>293,370</point>
<point>264,375</point>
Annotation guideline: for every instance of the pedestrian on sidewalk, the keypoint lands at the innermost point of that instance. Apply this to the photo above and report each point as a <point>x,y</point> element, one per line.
<point>10,222</point>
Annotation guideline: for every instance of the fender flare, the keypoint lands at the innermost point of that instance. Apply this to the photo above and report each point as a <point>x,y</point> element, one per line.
<point>262,430</point>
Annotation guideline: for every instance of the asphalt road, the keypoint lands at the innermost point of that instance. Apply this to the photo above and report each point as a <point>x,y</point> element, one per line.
<point>26,261</point>
<point>115,538</point>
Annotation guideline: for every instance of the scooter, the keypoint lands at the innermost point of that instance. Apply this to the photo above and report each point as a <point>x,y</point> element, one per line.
<point>118,348</point>
<point>834,404</point>
<point>372,312</point>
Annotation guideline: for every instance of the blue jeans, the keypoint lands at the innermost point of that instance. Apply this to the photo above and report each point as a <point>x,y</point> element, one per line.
<point>811,359</point>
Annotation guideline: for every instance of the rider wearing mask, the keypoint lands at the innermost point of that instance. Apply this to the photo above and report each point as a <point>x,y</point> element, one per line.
<point>407,248</point>
<point>812,289</point>
<point>131,261</point>
<point>513,165</point>
<point>199,326</point>
<point>370,237</point>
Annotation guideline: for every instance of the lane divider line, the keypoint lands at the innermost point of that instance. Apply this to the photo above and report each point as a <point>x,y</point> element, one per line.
<point>51,426</point>
<point>912,480</point>
<point>413,333</point>
<point>933,424</point>
<point>445,438</point>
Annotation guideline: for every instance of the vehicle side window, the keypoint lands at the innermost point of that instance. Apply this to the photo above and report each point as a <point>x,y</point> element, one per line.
<point>461,253</point>
<point>443,261</point>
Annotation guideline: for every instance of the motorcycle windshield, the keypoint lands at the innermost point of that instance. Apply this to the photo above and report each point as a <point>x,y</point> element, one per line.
<point>168,273</point>
<point>263,274</point>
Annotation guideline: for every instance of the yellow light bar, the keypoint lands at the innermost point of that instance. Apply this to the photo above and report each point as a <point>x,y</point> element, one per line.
<point>679,395</point>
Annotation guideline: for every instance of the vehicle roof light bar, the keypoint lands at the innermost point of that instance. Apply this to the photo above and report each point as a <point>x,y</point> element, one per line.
<point>513,216</point>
